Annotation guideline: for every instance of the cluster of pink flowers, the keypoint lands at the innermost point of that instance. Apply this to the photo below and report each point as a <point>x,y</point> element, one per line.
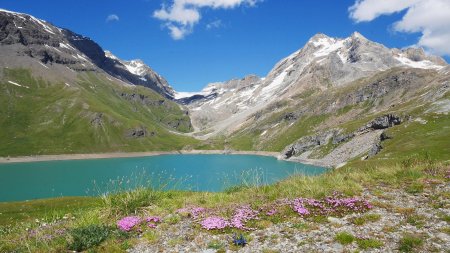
<point>242,215</point>
<point>194,212</point>
<point>336,204</point>
<point>152,221</point>
<point>214,222</point>
<point>299,207</point>
<point>128,223</point>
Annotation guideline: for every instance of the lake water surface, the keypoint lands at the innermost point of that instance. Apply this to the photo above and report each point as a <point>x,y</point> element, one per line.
<point>33,180</point>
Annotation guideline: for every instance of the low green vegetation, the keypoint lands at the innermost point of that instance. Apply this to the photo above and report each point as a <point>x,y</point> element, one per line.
<point>215,244</point>
<point>344,238</point>
<point>84,238</point>
<point>369,243</point>
<point>410,243</point>
<point>366,218</point>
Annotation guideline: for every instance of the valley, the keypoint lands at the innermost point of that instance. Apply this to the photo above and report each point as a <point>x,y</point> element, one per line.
<point>344,146</point>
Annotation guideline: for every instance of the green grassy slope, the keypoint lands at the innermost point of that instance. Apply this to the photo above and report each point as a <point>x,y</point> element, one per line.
<point>92,115</point>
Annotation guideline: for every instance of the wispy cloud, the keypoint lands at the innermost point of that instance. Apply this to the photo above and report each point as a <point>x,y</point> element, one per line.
<point>111,18</point>
<point>431,18</point>
<point>214,25</point>
<point>182,15</point>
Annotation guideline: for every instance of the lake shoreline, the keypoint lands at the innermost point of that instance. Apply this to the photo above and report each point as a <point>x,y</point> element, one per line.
<point>62,157</point>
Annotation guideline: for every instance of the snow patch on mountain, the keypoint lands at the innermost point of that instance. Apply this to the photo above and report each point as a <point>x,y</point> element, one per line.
<point>424,64</point>
<point>327,46</point>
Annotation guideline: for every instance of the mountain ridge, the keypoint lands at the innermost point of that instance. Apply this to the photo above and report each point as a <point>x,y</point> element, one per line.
<point>53,45</point>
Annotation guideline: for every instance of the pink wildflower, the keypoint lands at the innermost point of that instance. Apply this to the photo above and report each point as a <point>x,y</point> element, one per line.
<point>195,212</point>
<point>271,212</point>
<point>152,220</point>
<point>242,215</point>
<point>155,219</point>
<point>214,223</point>
<point>127,223</point>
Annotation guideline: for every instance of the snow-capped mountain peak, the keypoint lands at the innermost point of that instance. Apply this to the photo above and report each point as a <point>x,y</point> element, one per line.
<point>322,63</point>
<point>136,67</point>
<point>144,73</point>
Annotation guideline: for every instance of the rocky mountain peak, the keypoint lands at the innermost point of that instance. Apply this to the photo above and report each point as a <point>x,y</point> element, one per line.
<point>318,36</point>
<point>358,36</point>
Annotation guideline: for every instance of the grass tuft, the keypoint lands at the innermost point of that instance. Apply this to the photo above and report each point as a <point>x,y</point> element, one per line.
<point>410,243</point>
<point>344,238</point>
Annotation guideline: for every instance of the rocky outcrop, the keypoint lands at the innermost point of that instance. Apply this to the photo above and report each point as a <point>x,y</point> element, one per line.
<point>139,132</point>
<point>307,143</point>
<point>382,122</point>
<point>367,138</point>
<point>377,147</point>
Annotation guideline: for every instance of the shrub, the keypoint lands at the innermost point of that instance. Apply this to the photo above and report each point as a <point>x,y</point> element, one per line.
<point>84,238</point>
<point>344,238</point>
<point>409,243</point>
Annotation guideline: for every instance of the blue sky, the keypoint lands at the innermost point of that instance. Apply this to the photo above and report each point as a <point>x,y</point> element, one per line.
<point>223,43</point>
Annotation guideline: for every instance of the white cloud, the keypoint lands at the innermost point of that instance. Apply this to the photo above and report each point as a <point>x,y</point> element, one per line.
<point>214,25</point>
<point>431,18</point>
<point>182,15</point>
<point>112,17</point>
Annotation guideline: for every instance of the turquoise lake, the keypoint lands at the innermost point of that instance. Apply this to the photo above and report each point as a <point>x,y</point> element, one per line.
<point>34,180</point>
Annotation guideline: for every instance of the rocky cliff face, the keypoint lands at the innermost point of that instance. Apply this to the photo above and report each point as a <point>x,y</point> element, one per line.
<point>322,64</point>
<point>26,40</point>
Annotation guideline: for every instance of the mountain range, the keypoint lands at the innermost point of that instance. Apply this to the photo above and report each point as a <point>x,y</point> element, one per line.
<point>336,100</point>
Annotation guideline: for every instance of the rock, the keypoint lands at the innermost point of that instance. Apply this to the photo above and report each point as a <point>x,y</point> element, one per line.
<point>336,221</point>
<point>376,148</point>
<point>308,142</point>
<point>138,133</point>
<point>336,247</point>
<point>209,251</point>
<point>97,119</point>
<point>342,138</point>
<point>443,237</point>
<point>384,136</point>
<point>382,122</point>
<point>290,116</point>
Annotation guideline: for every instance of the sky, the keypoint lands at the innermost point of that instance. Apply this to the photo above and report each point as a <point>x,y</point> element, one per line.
<point>195,42</point>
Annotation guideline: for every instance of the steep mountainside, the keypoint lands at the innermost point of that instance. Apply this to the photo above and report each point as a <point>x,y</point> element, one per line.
<point>313,102</point>
<point>23,35</point>
<point>60,93</point>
